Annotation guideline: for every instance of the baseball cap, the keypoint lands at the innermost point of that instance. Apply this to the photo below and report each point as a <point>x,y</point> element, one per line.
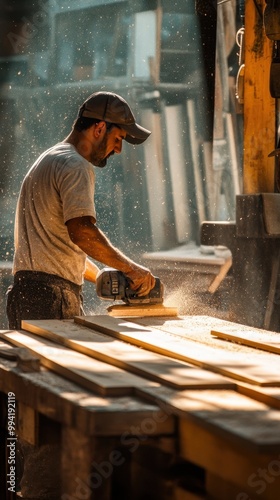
<point>113,108</point>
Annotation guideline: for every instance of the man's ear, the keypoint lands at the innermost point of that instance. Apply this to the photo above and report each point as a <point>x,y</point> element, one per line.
<point>99,129</point>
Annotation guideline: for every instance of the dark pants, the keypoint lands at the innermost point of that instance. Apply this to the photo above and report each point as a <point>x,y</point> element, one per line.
<point>37,295</point>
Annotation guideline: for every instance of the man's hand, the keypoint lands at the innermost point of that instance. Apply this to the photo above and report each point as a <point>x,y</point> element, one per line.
<point>142,280</point>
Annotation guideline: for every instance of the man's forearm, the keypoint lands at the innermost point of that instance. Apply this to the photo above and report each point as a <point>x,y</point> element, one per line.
<point>95,244</point>
<point>84,233</point>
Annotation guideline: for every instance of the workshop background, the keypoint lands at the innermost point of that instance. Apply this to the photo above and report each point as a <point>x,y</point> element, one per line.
<point>177,64</point>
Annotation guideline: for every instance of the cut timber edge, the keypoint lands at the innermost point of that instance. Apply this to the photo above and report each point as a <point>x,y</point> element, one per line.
<point>121,311</point>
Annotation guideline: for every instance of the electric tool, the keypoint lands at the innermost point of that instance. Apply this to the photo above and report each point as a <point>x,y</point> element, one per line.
<point>114,285</point>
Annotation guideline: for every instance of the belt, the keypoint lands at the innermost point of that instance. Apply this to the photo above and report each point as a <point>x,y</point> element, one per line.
<point>51,279</point>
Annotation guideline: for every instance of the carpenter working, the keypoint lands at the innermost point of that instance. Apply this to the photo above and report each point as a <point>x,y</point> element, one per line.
<point>55,226</point>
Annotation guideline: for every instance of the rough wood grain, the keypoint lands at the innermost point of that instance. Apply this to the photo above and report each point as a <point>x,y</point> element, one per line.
<point>267,395</point>
<point>60,399</point>
<point>263,371</point>
<point>122,311</point>
<point>167,371</point>
<point>259,106</point>
<point>266,341</point>
<point>225,413</point>
<point>90,373</point>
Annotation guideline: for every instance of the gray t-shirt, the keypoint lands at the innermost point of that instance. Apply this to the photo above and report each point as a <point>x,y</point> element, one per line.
<point>57,188</point>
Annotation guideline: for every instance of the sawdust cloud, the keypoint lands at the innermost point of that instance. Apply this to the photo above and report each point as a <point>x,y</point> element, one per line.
<point>189,303</point>
<point>184,300</point>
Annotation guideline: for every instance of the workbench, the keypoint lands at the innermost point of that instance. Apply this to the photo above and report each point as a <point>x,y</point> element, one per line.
<point>183,408</point>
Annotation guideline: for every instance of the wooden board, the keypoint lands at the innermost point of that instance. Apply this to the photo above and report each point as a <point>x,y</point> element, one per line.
<point>198,328</point>
<point>61,400</point>
<point>220,276</point>
<point>259,106</point>
<point>90,373</point>
<point>267,395</point>
<point>226,413</point>
<point>266,341</point>
<point>262,372</point>
<point>168,371</point>
<point>122,311</point>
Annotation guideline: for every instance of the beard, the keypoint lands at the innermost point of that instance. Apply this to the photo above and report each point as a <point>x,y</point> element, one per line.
<point>98,157</point>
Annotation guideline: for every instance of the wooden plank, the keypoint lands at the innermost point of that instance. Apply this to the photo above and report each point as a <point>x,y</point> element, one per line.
<point>250,370</point>
<point>266,341</point>
<point>155,175</point>
<point>174,117</point>
<point>88,372</point>
<point>213,409</point>
<point>195,144</point>
<point>62,400</point>
<point>122,311</point>
<point>267,395</point>
<point>220,276</point>
<point>226,414</point>
<point>167,371</point>
<point>198,327</point>
<point>259,106</point>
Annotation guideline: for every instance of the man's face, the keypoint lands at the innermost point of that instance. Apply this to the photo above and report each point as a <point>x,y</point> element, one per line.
<point>110,143</point>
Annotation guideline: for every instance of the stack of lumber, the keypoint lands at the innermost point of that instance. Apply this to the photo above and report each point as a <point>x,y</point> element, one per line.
<point>219,380</point>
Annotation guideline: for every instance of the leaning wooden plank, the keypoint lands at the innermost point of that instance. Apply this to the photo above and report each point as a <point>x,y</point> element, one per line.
<point>220,276</point>
<point>89,373</point>
<point>263,372</point>
<point>144,363</point>
<point>266,341</point>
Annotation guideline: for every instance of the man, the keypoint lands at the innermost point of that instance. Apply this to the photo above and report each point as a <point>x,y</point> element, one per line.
<point>55,226</point>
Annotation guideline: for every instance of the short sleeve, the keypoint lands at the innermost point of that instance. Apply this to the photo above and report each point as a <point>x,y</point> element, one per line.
<point>76,182</point>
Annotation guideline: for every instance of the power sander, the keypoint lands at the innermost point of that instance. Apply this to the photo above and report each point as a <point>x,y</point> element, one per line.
<point>114,285</point>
